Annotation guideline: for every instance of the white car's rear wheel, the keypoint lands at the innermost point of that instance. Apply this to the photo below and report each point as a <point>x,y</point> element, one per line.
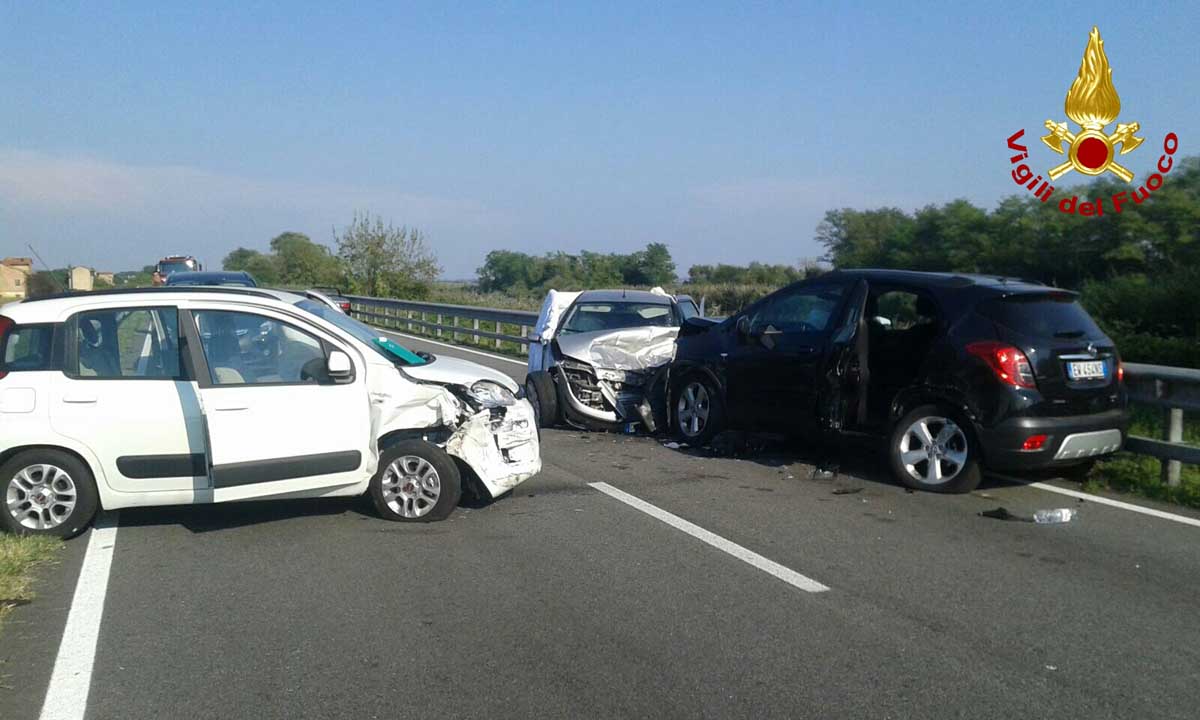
<point>47,492</point>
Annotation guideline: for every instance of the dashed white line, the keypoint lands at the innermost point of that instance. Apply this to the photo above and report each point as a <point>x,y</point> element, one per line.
<point>454,347</point>
<point>66,696</point>
<point>770,567</point>
<point>1117,504</point>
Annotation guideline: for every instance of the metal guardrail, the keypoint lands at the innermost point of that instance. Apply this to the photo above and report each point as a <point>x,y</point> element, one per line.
<point>1171,388</point>
<point>410,315</point>
<point>1175,390</point>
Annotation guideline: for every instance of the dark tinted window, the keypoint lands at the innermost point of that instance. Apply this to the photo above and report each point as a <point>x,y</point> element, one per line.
<point>688,309</point>
<point>1042,316</point>
<point>28,348</point>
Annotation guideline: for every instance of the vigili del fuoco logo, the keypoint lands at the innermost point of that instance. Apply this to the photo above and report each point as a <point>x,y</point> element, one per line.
<point>1092,103</point>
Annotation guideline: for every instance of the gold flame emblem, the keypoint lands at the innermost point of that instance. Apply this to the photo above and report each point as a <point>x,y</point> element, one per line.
<point>1092,102</point>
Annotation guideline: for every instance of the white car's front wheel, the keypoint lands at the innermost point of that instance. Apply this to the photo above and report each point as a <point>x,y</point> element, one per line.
<point>416,482</point>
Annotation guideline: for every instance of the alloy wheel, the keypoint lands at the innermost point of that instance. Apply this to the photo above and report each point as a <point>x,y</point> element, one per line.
<point>411,486</point>
<point>933,450</point>
<point>41,497</point>
<point>692,408</point>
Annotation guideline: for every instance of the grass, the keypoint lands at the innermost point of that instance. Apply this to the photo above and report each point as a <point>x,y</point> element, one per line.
<point>18,558</point>
<point>1140,475</point>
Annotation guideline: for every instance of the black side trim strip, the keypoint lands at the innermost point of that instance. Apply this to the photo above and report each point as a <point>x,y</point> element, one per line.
<point>146,467</point>
<point>261,471</point>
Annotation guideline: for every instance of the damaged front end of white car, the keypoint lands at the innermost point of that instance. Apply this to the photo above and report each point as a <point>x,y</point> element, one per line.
<point>484,426</point>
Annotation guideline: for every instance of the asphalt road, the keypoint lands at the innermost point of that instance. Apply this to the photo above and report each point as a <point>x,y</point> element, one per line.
<point>561,601</point>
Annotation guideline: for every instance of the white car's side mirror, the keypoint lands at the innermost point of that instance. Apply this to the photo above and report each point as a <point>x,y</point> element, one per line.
<point>339,366</point>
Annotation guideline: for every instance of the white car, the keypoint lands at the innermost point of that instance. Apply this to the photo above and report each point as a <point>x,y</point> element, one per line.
<point>187,395</point>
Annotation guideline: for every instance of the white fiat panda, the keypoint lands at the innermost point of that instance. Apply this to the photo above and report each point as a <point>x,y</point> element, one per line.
<point>184,395</point>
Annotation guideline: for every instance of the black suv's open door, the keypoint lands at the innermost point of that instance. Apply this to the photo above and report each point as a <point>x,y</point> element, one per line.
<point>843,400</point>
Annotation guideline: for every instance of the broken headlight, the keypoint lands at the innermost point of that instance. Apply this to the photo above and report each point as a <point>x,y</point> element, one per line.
<point>492,394</point>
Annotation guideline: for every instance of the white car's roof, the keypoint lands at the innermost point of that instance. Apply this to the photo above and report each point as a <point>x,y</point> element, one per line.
<point>53,308</point>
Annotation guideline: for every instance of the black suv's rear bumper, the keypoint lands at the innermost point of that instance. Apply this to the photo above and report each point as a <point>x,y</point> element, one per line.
<point>1087,434</point>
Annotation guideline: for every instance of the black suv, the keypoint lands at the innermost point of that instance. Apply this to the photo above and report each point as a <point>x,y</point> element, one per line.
<point>957,372</point>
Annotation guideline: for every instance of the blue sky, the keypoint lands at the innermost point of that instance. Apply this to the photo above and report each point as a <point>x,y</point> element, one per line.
<point>723,130</point>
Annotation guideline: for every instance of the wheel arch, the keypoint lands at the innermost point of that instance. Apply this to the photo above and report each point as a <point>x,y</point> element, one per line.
<point>77,453</point>
<point>913,397</point>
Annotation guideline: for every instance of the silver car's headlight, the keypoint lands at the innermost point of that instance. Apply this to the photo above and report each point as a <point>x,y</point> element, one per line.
<point>492,394</point>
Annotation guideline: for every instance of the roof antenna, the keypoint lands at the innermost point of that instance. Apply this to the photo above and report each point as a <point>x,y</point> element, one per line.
<point>43,262</point>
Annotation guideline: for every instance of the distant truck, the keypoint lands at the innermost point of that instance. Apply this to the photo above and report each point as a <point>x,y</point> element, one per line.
<point>173,264</point>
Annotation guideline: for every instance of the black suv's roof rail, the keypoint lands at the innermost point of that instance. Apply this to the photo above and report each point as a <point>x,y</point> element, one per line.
<point>160,289</point>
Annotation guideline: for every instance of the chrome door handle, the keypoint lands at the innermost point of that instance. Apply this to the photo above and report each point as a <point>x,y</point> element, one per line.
<point>76,399</point>
<point>231,408</point>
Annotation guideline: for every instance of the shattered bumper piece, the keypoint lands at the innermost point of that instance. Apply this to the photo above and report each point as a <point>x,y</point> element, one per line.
<point>501,448</point>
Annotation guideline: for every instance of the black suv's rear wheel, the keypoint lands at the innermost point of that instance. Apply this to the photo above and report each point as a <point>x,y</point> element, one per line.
<point>931,449</point>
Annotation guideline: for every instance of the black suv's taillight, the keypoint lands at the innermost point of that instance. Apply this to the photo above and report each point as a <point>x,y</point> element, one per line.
<point>1008,363</point>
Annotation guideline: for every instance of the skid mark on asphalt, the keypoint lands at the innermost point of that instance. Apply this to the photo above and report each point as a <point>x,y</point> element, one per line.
<point>67,693</point>
<point>770,567</point>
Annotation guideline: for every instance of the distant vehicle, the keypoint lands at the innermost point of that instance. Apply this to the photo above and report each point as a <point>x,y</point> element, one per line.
<point>172,264</point>
<point>956,373</point>
<point>597,355</point>
<point>190,395</point>
<point>226,278</point>
<point>333,295</point>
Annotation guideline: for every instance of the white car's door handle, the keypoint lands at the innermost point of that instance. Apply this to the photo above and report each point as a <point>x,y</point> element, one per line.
<point>79,399</point>
<point>231,408</point>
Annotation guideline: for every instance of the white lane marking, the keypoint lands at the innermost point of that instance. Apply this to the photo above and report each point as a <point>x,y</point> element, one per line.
<point>66,696</point>
<point>1118,504</point>
<point>453,347</point>
<point>770,567</point>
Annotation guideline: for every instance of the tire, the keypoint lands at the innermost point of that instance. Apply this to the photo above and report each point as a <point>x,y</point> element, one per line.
<point>697,411</point>
<point>47,492</point>
<point>402,490</point>
<point>945,440</point>
<point>540,390</point>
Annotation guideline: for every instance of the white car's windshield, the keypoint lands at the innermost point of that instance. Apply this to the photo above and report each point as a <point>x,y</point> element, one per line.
<point>384,346</point>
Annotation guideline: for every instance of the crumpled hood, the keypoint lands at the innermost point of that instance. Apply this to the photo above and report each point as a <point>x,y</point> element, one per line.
<point>453,371</point>
<point>629,349</point>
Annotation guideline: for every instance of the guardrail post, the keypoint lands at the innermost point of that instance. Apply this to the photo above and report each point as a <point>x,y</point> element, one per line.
<point>454,333</point>
<point>524,332</point>
<point>1173,433</point>
<point>439,323</point>
<point>497,332</point>
<point>475,327</point>
<point>408,317</point>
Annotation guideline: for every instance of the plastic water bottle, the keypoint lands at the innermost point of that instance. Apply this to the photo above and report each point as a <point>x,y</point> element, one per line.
<point>1050,517</point>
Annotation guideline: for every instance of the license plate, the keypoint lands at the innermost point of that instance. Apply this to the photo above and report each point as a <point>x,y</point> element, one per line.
<point>1089,370</point>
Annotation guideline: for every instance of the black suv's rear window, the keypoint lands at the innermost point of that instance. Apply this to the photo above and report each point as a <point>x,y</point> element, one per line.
<point>28,348</point>
<point>1044,316</point>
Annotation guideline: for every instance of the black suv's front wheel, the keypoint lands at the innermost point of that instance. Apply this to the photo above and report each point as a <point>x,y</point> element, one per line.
<point>931,449</point>
<point>698,413</point>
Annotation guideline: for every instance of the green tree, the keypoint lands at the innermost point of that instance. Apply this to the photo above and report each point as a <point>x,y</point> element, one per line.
<point>382,259</point>
<point>300,261</point>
